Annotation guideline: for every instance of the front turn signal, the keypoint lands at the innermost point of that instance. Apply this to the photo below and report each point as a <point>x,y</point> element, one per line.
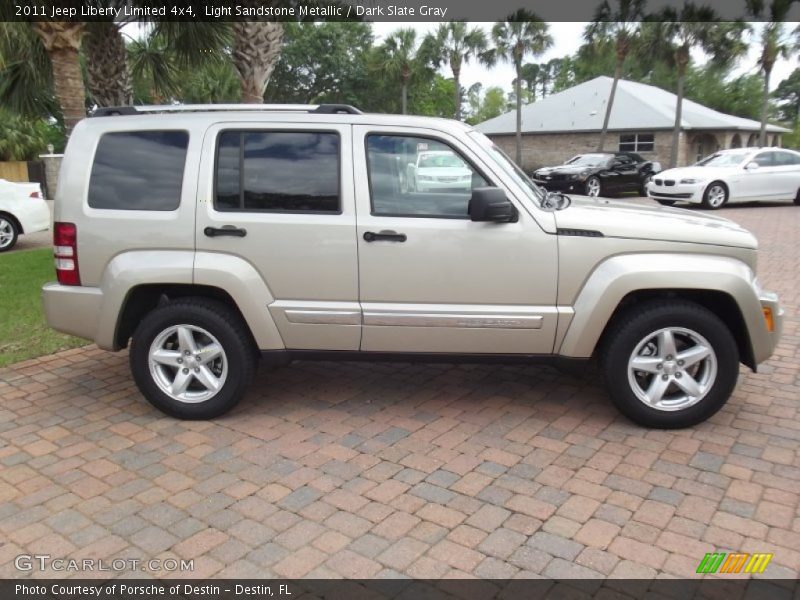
<point>769,319</point>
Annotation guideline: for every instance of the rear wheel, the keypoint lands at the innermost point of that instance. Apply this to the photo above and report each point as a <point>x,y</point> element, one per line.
<point>193,358</point>
<point>670,364</point>
<point>593,187</point>
<point>8,233</point>
<point>715,196</point>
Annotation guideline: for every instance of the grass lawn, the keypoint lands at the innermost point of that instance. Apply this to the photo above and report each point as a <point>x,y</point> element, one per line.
<point>23,331</point>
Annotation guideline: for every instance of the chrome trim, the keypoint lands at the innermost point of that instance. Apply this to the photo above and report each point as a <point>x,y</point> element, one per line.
<point>323,317</point>
<point>486,321</point>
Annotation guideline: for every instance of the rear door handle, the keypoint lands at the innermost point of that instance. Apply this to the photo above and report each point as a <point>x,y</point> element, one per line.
<point>230,230</point>
<point>387,236</point>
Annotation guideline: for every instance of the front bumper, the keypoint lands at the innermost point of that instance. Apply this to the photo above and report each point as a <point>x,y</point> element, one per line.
<point>680,192</point>
<point>432,186</point>
<point>765,344</point>
<point>561,185</point>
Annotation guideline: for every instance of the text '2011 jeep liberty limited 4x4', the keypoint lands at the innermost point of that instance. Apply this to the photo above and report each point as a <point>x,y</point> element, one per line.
<point>207,235</point>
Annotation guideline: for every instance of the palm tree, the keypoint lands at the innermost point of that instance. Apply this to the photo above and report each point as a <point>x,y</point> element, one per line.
<point>62,42</point>
<point>256,49</point>
<point>454,43</point>
<point>399,57</point>
<point>108,77</point>
<point>520,35</point>
<point>26,79</point>
<point>773,46</point>
<point>696,27</point>
<point>623,25</point>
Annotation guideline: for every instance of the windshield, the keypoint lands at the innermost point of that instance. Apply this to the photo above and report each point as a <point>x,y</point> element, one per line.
<point>728,159</point>
<point>434,161</point>
<point>502,160</point>
<point>589,160</point>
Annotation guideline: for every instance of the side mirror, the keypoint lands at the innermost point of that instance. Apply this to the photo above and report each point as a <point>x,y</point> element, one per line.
<point>490,204</point>
<point>752,166</point>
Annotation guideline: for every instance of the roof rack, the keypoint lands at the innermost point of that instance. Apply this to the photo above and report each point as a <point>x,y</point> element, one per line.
<point>323,109</point>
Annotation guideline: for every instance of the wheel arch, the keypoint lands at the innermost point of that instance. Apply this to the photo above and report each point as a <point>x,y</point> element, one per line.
<point>721,284</point>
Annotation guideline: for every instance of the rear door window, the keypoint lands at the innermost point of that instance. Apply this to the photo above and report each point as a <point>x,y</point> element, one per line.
<point>138,170</point>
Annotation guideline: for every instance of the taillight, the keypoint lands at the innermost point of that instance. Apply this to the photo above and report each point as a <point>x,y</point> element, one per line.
<point>35,195</point>
<point>65,249</point>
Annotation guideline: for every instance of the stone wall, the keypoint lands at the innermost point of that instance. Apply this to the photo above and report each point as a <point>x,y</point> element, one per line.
<point>52,165</point>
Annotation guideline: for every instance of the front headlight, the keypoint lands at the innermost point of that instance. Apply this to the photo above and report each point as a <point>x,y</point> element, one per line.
<point>690,180</point>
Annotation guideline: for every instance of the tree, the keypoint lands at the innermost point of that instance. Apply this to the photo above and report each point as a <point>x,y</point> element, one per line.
<point>530,79</point>
<point>62,42</point>
<point>488,106</point>
<point>456,44</point>
<point>256,50</point>
<point>622,25</point>
<point>108,77</point>
<point>773,46</point>
<point>695,27</point>
<point>399,57</point>
<point>26,79</point>
<point>521,34</point>
<point>788,95</point>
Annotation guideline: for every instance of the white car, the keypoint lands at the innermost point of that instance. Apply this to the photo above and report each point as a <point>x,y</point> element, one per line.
<point>22,210</point>
<point>736,175</point>
<point>439,170</point>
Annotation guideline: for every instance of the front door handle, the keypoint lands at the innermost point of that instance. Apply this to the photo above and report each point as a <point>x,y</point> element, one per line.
<point>388,236</point>
<point>230,230</point>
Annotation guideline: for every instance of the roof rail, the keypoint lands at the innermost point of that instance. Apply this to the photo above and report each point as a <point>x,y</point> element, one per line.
<point>325,109</point>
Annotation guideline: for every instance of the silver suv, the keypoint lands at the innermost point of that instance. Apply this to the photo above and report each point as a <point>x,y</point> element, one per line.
<point>209,236</point>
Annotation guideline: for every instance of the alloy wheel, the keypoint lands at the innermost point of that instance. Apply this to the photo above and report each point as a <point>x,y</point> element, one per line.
<point>593,187</point>
<point>672,369</point>
<point>188,363</point>
<point>6,233</point>
<point>716,196</point>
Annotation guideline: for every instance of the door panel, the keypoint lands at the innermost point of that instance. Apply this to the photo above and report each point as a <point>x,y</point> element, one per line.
<point>276,183</point>
<point>451,285</point>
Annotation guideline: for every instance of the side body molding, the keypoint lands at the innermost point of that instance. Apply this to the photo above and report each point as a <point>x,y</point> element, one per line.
<point>621,275</point>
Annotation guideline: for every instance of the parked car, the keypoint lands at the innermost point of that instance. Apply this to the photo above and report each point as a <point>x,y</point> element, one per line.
<point>738,175</point>
<point>439,170</point>
<point>22,210</point>
<point>599,174</point>
<point>204,237</point>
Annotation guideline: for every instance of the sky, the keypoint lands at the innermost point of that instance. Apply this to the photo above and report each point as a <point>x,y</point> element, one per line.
<point>567,37</point>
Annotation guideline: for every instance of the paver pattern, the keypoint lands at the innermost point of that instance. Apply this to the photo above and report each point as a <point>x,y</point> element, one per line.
<point>373,470</point>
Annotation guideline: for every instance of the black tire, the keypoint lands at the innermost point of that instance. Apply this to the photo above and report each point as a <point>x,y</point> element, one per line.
<point>633,326</point>
<point>8,227</point>
<point>708,203</point>
<point>666,202</point>
<point>220,321</point>
<point>643,185</point>
<point>797,198</point>
<point>591,182</point>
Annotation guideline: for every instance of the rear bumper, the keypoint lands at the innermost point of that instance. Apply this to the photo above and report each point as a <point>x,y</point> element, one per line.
<point>34,215</point>
<point>73,309</point>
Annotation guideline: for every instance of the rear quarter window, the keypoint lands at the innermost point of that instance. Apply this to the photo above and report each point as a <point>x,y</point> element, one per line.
<point>141,170</point>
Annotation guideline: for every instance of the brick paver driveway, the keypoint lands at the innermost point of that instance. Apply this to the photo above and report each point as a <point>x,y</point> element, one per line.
<point>363,470</point>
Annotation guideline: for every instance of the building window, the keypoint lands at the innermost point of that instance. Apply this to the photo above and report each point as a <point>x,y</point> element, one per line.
<point>637,142</point>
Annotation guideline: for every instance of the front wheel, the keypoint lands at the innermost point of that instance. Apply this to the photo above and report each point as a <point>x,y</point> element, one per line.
<point>670,364</point>
<point>193,358</point>
<point>8,233</point>
<point>593,187</point>
<point>715,196</point>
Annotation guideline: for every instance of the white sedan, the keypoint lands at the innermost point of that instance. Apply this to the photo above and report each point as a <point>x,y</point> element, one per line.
<point>22,210</point>
<point>737,175</point>
<point>439,170</point>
